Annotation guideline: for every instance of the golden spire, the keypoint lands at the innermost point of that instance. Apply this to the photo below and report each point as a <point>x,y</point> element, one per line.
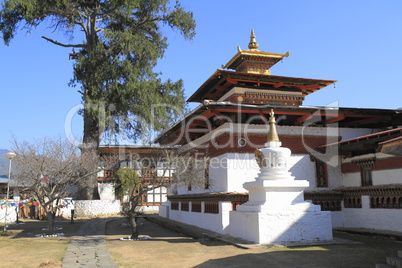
<point>272,133</point>
<point>253,45</point>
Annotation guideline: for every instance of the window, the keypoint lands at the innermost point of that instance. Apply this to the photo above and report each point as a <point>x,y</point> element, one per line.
<point>321,173</point>
<point>366,168</point>
<point>211,207</point>
<point>174,205</point>
<point>184,206</point>
<point>196,206</point>
<point>366,177</point>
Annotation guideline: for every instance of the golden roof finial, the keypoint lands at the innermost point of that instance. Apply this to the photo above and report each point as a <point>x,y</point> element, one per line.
<point>253,45</point>
<point>272,133</point>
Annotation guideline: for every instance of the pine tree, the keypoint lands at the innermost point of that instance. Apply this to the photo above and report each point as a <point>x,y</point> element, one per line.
<point>114,64</point>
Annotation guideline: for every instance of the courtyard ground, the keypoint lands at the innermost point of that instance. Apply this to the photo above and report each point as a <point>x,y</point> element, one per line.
<point>166,248</point>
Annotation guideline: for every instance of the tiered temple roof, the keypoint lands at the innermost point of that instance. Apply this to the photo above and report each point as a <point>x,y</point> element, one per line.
<point>252,82</point>
<point>250,92</point>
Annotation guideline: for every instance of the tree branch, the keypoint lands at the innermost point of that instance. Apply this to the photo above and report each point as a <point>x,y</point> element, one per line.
<point>61,44</point>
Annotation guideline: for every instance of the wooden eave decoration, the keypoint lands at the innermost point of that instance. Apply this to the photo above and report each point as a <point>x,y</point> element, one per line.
<point>393,146</point>
<point>221,80</point>
<point>345,117</point>
<point>371,142</point>
<point>255,56</point>
<point>218,196</point>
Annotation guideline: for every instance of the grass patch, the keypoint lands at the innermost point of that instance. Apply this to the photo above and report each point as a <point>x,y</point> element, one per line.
<point>24,249</point>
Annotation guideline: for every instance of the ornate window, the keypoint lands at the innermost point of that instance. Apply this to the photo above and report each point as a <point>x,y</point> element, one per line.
<point>328,200</point>
<point>366,176</point>
<point>184,206</point>
<point>174,205</point>
<point>196,206</point>
<point>366,168</point>
<point>211,207</point>
<point>321,173</point>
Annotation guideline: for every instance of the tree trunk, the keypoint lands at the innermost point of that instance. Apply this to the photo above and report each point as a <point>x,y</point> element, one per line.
<point>50,221</point>
<point>92,130</point>
<point>88,189</point>
<point>134,227</point>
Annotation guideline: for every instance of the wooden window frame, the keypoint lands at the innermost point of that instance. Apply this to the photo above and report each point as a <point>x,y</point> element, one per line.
<point>211,207</point>
<point>321,174</point>
<point>366,175</point>
<point>174,205</point>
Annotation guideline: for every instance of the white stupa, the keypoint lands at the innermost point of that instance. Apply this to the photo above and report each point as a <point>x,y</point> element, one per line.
<point>276,212</point>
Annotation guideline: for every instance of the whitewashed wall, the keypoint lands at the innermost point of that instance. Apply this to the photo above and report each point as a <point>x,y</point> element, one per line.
<point>334,176</point>
<point>91,208</point>
<point>387,176</point>
<point>351,179</point>
<point>372,218</point>
<point>215,222</point>
<point>241,168</point>
<point>337,218</point>
<point>164,210</point>
<point>228,172</point>
<point>149,209</point>
<point>380,177</point>
<point>218,173</point>
<point>231,170</point>
<point>302,168</point>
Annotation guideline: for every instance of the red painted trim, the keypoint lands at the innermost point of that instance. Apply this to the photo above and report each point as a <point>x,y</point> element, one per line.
<point>228,143</point>
<point>388,163</point>
<point>380,164</point>
<point>349,168</point>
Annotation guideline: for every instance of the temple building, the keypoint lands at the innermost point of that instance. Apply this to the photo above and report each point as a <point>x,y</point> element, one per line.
<point>351,157</point>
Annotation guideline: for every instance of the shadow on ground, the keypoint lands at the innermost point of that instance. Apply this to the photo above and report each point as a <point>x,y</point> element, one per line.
<point>120,228</point>
<point>174,248</point>
<point>362,251</point>
<point>31,228</point>
<point>302,259</point>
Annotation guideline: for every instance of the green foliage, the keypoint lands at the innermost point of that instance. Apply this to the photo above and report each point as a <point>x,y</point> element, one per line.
<point>126,182</point>
<point>113,65</point>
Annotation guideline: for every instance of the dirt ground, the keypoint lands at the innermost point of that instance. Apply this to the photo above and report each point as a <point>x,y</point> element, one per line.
<point>166,248</point>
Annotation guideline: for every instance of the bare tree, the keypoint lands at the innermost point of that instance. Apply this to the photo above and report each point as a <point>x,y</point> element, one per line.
<point>162,168</point>
<point>52,169</point>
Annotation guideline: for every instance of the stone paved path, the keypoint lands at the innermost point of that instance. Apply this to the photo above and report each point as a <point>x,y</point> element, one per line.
<point>88,248</point>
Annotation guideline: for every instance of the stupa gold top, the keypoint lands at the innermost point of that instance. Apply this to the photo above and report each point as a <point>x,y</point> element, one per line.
<point>253,45</point>
<point>272,133</point>
<point>253,60</point>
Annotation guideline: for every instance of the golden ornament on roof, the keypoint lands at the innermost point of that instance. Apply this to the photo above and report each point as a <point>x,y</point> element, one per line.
<point>253,45</point>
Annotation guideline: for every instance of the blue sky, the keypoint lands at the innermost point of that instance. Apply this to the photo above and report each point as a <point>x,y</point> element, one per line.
<point>358,43</point>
